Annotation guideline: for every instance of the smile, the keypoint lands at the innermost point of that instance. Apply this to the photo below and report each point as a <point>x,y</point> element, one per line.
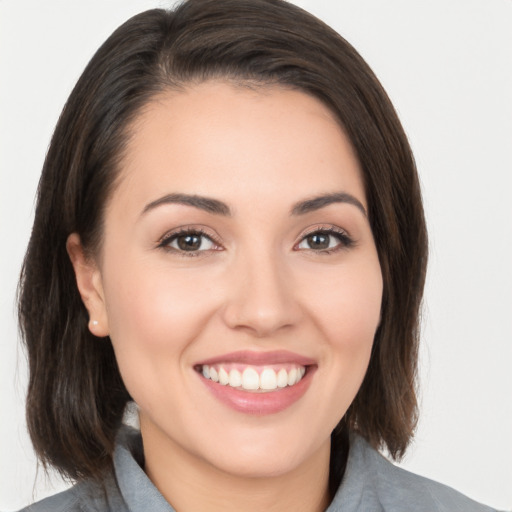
<point>257,383</point>
<point>254,378</point>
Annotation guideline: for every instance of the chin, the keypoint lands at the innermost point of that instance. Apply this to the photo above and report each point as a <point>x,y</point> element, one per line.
<point>265,457</point>
<point>264,465</point>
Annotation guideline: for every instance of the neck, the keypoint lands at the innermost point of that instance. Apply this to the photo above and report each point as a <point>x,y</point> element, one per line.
<point>189,483</point>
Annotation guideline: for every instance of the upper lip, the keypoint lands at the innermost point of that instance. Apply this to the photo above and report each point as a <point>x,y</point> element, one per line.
<point>251,357</point>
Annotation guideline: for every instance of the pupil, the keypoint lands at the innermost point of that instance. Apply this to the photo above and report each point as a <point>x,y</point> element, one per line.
<point>318,241</point>
<point>189,242</point>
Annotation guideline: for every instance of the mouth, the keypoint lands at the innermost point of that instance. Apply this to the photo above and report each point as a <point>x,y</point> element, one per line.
<point>257,383</point>
<point>253,378</point>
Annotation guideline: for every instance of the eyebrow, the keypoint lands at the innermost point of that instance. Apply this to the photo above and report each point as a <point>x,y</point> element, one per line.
<point>318,202</point>
<point>217,207</point>
<point>203,203</point>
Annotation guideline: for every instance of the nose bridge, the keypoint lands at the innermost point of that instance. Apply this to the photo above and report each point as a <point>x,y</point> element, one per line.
<point>261,297</point>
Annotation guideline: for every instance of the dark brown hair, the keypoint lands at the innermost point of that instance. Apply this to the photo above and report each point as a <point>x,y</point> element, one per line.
<point>76,397</point>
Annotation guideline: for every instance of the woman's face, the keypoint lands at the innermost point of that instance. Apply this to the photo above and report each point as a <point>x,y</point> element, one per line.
<point>237,249</point>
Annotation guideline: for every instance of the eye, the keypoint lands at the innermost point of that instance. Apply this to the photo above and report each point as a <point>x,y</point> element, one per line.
<point>325,240</point>
<point>188,241</point>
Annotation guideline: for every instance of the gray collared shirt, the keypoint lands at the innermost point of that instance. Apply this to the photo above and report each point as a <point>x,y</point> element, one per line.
<point>371,484</point>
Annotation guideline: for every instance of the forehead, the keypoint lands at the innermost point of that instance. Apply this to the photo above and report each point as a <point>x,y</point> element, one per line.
<point>237,143</point>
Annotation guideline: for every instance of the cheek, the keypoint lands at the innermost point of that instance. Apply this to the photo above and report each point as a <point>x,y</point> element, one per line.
<point>151,306</point>
<point>348,313</point>
<point>348,307</point>
<point>154,317</point>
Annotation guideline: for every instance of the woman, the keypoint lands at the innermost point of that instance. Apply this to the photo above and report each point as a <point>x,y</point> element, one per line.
<point>229,233</point>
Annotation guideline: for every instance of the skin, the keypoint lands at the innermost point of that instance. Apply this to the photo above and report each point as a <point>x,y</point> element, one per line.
<point>259,286</point>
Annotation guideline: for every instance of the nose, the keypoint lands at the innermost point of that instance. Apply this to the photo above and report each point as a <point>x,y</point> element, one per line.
<point>262,295</point>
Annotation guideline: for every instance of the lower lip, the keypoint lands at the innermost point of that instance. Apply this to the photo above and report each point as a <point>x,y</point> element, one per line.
<point>260,403</point>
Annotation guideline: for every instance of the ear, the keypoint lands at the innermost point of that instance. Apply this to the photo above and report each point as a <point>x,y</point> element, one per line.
<point>90,286</point>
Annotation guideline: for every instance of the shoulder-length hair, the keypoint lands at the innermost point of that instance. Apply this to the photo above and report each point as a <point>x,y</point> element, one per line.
<point>76,397</point>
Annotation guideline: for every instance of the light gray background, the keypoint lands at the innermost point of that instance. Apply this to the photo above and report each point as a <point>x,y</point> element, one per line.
<point>447,65</point>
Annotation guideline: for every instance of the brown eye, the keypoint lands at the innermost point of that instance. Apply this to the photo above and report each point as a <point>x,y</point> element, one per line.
<point>318,241</point>
<point>189,242</point>
<point>325,240</point>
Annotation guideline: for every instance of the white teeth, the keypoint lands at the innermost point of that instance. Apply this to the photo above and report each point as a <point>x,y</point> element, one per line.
<point>268,380</point>
<point>250,379</point>
<point>282,378</point>
<point>223,377</point>
<point>235,378</point>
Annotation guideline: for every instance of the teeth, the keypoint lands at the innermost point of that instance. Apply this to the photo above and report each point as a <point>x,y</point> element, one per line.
<point>249,379</point>
<point>223,376</point>
<point>235,378</point>
<point>282,378</point>
<point>268,379</point>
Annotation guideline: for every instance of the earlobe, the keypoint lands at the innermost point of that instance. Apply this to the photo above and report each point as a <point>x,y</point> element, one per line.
<point>90,286</point>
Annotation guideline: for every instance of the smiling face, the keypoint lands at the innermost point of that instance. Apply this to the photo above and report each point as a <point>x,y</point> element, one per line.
<point>237,248</point>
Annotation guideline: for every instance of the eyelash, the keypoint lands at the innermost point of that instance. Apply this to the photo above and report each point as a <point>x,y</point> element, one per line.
<point>167,239</point>
<point>345,241</point>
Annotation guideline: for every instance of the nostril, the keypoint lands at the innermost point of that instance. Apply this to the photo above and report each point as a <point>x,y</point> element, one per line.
<point>260,320</point>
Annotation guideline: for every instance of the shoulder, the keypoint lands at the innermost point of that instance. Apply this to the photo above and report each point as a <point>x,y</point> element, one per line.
<point>371,482</point>
<point>85,496</point>
<point>66,501</point>
<point>399,486</point>
<point>89,495</point>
